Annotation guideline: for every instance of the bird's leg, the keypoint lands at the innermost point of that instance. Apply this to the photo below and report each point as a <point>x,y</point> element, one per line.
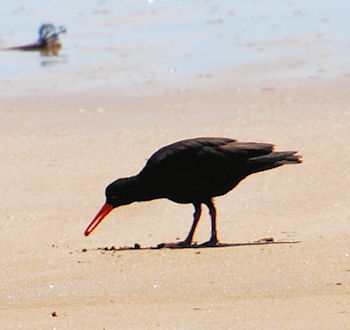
<point>188,240</point>
<point>212,211</point>
<point>196,216</point>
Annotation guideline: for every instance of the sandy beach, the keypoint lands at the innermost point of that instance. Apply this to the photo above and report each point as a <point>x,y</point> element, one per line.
<point>134,76</point>
<point>59,151</point>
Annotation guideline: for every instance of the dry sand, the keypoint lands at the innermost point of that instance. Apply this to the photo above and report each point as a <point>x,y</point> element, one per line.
<point>60,151</point>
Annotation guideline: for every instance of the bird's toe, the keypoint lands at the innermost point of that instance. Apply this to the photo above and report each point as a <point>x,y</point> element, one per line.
<point>210,243</point>
<point>178,245</point>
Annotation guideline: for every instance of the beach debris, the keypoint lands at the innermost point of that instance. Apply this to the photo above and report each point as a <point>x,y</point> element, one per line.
<point>48,42</point>
<point>84,250</point>
<point>160,246</point>
<point>136,246</point>
<point>338,283</point>
<point>54,314</point>
<point>265,240</point>
<point>112,248</point>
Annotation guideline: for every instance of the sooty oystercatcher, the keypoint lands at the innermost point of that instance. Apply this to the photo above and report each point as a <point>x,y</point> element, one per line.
<point>194,171</point>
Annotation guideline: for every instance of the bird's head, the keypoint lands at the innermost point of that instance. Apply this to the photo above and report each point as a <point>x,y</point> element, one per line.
<point>116,195</point>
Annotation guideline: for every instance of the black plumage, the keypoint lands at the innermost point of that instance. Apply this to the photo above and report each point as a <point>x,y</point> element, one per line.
<point>194,171</point>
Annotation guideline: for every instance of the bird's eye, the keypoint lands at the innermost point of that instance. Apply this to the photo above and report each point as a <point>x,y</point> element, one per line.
<point>114,197</point>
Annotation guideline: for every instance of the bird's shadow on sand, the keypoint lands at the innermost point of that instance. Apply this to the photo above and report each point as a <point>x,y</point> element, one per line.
<point>163,246</point>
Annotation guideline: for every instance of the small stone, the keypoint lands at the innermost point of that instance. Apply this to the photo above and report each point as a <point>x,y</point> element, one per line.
<point>266,239</point>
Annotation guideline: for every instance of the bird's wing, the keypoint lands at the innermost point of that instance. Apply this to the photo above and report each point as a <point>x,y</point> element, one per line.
<point>181,171</point>
<point>200,167</point>
<point>247,150</point>
<point>203,156</point>
<point>186,150</point>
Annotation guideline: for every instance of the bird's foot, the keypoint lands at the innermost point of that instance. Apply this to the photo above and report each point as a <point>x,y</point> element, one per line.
<point>212,242</point>
<point>178,245</point>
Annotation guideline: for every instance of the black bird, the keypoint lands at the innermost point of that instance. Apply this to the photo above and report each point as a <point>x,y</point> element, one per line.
<point>194,171</point>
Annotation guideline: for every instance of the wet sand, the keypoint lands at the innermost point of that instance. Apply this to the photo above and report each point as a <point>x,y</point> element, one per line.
<point>60,151</point>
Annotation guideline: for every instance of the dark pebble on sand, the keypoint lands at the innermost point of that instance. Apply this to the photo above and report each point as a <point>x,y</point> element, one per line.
<point>266,240</point>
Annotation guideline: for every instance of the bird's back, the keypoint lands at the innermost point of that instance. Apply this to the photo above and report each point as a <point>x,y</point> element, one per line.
<point>199,169</point>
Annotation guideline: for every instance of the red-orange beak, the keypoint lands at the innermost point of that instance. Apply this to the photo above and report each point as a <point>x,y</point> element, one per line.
<point>98,218</point>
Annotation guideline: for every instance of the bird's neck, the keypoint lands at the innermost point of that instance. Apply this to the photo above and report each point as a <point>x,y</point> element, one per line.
<point>138,189</point>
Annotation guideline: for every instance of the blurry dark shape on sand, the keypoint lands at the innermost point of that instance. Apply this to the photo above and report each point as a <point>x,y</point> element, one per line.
<point>48,42</point>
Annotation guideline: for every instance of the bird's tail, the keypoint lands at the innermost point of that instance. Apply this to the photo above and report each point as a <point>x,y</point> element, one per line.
<point>272,160</point>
